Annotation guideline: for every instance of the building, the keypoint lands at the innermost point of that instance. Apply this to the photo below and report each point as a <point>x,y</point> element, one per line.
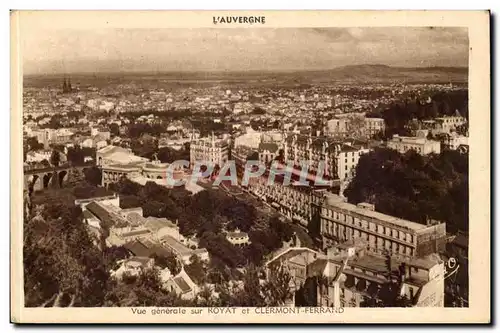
<point>268,151</point>
<point>209,151</point>
<point>110,200</point>
<point>454,141</point>
<point>103,133</point>
<point>336,157</point>
<point>67,86</point>
<point>182,252</point>
<point>117,163</point>
<point>301,148</point>
<point>238,238</point>
<point>341,221</point>
<point>347,160</point>
<point>182,285</point>
<point>293,201</point>
<point>363,277</point>
<point>374,126</point>
<point>38,155</point>
<point>448,123</point>
<point>133,266</point>
<point>337,127</point>
<point>351,278</point>
<point>50,136</point>
<point>420,145</point>
<point>117,155</point>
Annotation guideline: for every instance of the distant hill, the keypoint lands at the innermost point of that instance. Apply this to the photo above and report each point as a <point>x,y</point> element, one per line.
<point>383,73</point>
<point>345,74</point>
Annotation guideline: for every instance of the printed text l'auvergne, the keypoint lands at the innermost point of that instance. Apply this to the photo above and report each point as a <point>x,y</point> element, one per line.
<point>239,19</point>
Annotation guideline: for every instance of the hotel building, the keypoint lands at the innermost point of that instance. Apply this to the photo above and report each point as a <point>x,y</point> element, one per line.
<point>374,126</point>
<point>420,145</point>
<point>117,163</point>
<point>209,150</point>
<point>350,277</point>
<point>341,221</point>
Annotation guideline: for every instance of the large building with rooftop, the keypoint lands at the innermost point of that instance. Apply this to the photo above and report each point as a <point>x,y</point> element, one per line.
<point>117,162</point>
<point>384,234</point>
<point>210,150</point>
<point>349,276</point>
<point>420,145</point>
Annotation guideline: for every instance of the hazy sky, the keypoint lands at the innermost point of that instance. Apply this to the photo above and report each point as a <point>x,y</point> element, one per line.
<point>66,51</point>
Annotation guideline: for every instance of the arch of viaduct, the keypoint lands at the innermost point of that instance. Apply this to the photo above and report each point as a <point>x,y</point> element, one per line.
<point>41,179</point>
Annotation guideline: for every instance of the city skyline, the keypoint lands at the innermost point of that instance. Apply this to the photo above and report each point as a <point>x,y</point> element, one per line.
<point>259,49</point>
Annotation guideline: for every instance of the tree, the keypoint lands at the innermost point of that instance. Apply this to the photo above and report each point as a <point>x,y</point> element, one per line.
<point>284,231</point>
<point>93,176</point>
<point>167,261</point>
<point>114,129</point>
<point>33,144</point>
<point>196,270</point>
<point>357,126</point>
<point>205,298</point>
<point>463,129</point>
<point>62,266</point>
<point>113,254</point>
<point>76,155</point>
<point>55,158</point>
<point>252,291</point>
<point>153,208</point>
<point>145,290</point>
<point>130,201</point>
<point>277,288</point>
<point>414,187</point>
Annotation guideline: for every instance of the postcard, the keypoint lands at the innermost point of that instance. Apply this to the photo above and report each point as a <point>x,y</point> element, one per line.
<point>250,167</point>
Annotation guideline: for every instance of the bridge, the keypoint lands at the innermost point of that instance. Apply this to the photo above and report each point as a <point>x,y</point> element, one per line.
<point>38,178</point>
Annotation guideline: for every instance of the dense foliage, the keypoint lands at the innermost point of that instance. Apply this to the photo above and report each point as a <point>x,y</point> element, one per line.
<point>204,215</point>
<point>76,155</point>
<point>414,187</point>
<point>64,267</point>
<point>398,115</point>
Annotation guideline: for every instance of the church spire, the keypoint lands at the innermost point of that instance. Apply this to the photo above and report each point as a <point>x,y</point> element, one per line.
<point>66,85</point>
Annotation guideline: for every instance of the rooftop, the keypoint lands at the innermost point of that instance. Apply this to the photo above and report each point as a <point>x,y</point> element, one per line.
<point>88,215</point>
<point>158,166</point>
<point>182,284</point>
<point>289,253</point>
<point>236,234</point>
<point>137,248</point>
<point>156,223</point>
<point>176,246</point>
<point>135,218</point>
<point>101,213</point>
<point>143,261</point>
<point>336,201</point>
<point>135,233</point>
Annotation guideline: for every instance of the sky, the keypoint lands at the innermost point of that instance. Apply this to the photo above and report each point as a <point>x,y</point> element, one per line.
<point>202,49</point>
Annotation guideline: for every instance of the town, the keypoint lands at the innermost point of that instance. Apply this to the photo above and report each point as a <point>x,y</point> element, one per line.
<point>100,154</point>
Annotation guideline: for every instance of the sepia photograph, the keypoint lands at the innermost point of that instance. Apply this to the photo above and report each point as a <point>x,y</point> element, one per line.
<point>303,170</point>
